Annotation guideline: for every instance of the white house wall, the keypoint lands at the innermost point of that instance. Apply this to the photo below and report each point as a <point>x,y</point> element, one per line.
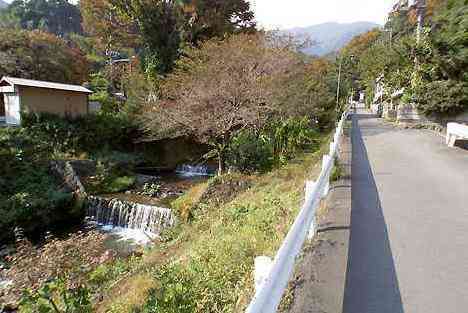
<point>12,108</point>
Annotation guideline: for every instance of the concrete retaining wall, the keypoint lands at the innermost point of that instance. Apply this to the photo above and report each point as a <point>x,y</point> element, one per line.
<point>65,171</point>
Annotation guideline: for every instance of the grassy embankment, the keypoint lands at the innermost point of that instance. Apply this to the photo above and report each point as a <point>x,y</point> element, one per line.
<point>206,264</point>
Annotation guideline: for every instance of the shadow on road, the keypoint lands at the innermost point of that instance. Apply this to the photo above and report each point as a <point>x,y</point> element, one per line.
<point>371,279</point>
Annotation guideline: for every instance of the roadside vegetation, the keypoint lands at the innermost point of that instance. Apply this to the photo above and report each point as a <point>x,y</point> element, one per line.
<point>206,263</point>
<point>430,71</point>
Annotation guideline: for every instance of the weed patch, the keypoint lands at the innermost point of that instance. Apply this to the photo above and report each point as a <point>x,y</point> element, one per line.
<point>210,263</point>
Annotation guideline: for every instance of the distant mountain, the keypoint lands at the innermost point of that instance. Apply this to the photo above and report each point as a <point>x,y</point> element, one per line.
<point>3,4</point>
<point>330,37</point>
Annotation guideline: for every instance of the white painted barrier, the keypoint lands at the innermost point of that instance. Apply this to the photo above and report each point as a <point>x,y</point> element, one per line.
<point>455,131</point>
<point>262,269</point>
<point>270,288</point>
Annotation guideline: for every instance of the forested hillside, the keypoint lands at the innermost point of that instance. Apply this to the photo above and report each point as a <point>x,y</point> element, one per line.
<point>330,37</point>
<point>429,67</point>
<point>41,55</point>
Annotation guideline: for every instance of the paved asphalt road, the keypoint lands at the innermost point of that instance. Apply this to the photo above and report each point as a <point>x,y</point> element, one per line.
<point>408,247</point>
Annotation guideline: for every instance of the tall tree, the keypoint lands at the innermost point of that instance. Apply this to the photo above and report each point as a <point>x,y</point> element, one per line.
<point>159,25</point>
<point>222,88</point>
<point>206,19</point>
<point>106,22</point>
<point>40,55</point>
<point>166,24</point>
<point>59,17</point>
<point>444,85</point>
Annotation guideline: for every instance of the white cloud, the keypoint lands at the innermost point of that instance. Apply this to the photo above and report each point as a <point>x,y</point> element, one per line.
<point>299,13</point>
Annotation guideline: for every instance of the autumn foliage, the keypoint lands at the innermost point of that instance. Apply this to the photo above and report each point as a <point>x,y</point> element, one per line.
<point>226,86</point>
<point>106,23</point>
<point>42,56</point>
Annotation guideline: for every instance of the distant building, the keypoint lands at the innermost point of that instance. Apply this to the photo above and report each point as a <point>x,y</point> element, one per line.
<point>19,95</point>
<point>405,5</point>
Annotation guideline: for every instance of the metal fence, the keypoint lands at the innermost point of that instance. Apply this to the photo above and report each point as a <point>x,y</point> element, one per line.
<point>272,278</point>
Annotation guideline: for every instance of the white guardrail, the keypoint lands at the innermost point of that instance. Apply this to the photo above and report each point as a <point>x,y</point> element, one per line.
<point>272,277</point>
<point>456,131</point>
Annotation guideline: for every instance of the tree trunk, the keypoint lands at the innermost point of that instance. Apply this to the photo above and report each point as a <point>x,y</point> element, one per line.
<point>221,154</point>
<point>220,163</point>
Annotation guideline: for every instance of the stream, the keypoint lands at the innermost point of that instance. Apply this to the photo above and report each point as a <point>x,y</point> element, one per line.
<point>116,226</point>
<point>135,219</point>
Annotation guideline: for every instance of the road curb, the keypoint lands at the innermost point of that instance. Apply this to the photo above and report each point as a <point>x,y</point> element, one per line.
<point>320,275</point>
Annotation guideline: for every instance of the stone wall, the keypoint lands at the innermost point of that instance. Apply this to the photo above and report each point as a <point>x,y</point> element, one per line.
<point>389,111</point>
<point>64,170</point>
<point>408,113</point>
<point>460,118</point>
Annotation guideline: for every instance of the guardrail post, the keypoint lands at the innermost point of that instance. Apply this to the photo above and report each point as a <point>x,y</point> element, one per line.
<point>272,276</point>
<point>309,189</point>
<point>326,159</point>
<point>451,140</point>
<point>263,266</point>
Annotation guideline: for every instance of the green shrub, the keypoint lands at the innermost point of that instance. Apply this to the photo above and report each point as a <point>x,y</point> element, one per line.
<point>119,184</point>
<point>280,141</point>
<point>337,172</point>
<point>56,297</point>
<point>105,273</point>
<point>176,293</point>
<point>101,87</point>
<point>30,196</point>
<point>442,97</point>
<point>91,133</point>
<point>250,152</point>
<point>150,189</point>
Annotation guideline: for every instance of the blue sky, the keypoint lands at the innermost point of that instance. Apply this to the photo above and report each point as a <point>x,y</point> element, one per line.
<point>299,13</point>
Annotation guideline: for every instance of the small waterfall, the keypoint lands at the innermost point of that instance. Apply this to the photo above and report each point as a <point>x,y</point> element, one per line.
<point>5,283</point>
<point>187,170</point>
<point>115,213</point>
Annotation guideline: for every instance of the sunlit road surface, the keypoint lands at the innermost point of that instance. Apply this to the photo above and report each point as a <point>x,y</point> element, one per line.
<point>409,222</point>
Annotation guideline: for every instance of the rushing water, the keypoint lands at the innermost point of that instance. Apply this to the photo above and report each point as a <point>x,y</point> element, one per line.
<point>141,223</point>
<point>132,221</point>
<point>5,283</point>
<point>187,170</point>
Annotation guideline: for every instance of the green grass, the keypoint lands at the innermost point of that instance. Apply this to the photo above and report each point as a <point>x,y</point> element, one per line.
<point>207,265</point>
<point>337,171</point>
<point>119,184</point>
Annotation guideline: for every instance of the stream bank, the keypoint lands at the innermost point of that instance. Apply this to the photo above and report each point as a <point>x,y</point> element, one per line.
<point>117,227</point>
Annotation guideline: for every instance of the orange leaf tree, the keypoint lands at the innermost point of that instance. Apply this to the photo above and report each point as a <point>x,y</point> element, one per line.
<point>220,89</point>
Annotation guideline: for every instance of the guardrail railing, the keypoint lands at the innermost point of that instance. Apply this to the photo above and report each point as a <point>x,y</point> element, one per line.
<point>456,131</point>
<point>272,277</point>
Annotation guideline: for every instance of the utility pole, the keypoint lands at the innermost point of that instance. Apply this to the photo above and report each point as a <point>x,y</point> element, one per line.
<point>339,83</point>
<point>391,36</point>
<point>421,13</point>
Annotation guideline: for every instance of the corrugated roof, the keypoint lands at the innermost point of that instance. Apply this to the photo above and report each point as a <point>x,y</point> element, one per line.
<point>43,84</point>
